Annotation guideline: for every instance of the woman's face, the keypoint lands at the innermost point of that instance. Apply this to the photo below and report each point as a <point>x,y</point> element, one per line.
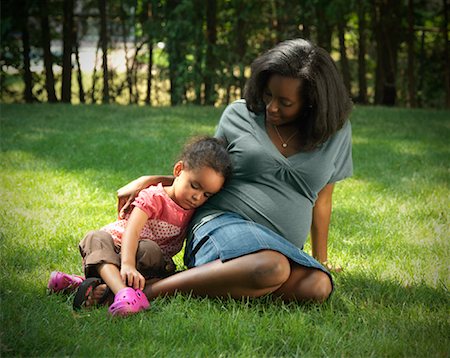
<point>282,99</point>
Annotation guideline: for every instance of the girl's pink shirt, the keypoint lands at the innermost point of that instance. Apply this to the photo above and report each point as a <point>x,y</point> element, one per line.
<point>166,224</point>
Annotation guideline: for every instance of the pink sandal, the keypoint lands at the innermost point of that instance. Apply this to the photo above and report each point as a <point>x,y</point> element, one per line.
<point>128,301</point>
<point>63,282</point>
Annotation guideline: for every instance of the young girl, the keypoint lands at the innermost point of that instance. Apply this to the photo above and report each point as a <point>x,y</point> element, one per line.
<point>127,252</point>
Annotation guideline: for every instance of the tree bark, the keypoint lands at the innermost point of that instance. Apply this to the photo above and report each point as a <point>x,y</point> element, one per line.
<point>125,32</point>
<point>411,66</point>
<point>324,30</point>
<point>66,88</point>
<point>446,54</point>
<point>27,76</point>
<point>48,58</point>
<point>386,18</point>
<point>210,60</point>
<point>344,59</point>
<point>148,17</point>
<point>76,46</point>
<point>94,74</point>
<point>362,80</point>
<point>104,45</point>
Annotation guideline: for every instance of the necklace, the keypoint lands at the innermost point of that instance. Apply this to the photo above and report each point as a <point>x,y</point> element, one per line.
<point>284,143</point>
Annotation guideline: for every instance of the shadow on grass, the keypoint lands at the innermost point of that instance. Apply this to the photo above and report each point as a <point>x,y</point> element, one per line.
<point>109,140</point>
<point>389,144</point>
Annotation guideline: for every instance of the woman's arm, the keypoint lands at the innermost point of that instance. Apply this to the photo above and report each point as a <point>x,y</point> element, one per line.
<point>130,275</point>
<point>127,193</point>
<point>321,223</point>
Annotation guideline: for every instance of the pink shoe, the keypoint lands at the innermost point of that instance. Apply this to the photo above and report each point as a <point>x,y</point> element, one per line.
<point>63,282</point>
<point>128,301</point>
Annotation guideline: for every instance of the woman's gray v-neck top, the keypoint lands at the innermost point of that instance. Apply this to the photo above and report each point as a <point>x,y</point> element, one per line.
<point>268,188</point>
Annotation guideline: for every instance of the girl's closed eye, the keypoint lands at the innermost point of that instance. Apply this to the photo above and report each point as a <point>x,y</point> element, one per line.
<point>286,103</point>
<point>195,186</point>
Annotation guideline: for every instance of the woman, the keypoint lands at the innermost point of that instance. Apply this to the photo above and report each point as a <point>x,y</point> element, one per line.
<point>290,141</point>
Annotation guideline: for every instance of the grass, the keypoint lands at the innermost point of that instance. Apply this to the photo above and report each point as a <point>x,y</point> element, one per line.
<point>61,164</point>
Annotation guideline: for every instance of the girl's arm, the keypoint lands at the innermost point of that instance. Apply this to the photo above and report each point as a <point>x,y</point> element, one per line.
<point>321,223</point>
<point>130,275</point>
<point>127,193</point>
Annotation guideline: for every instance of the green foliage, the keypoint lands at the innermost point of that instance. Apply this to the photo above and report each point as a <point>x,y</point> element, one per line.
<point>244,30</point>
<point>60,166</point>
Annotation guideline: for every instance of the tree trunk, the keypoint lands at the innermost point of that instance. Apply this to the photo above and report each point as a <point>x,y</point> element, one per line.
<point>104,45</point>
<point>94,74</point>
<point>421,69</point>
<point>66,88</point>
<point>48,58</point>
<point>27,76</point>
<point>174,53</point>
<point>344,59</point>
<point>410,70</point>
<point>386,16</point>
<point>324,30</point>
<point>446,54</point>
<point>79,73</point>
<point>241,47</point>
<point>362,81</point>
<point>210,60</point>
<point>125,31</point>
<point>148,16</point>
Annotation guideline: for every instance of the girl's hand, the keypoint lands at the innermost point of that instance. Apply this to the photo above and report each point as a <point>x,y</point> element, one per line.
<point>132,277</point>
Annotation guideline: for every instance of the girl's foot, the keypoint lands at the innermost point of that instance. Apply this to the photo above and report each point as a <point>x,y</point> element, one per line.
<point>63,282</point>
<point>128,301</point>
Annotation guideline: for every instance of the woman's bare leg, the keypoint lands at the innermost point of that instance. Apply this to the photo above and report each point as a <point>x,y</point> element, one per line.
<point>251,275</point>
<point>305,284</point>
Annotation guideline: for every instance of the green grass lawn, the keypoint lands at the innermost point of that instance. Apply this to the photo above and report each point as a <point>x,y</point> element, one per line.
<point>61,165</point>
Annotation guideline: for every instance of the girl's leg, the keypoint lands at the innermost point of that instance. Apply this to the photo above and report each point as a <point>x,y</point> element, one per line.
<point>111,275</point>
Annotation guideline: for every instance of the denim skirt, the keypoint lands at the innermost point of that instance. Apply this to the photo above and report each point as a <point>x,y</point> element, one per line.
<point>229,236</point>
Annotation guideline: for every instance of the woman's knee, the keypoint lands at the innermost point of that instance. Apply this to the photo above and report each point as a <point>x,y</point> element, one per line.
<point>270,269</point>
<point>321,287</point>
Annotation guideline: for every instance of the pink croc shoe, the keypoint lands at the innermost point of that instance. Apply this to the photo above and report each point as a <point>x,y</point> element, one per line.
<point>128,301</point>
<point>63,282</point>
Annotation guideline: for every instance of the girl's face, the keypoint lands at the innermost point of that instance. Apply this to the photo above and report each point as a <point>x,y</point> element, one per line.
<point>192,187</point>
<point>282,99</point>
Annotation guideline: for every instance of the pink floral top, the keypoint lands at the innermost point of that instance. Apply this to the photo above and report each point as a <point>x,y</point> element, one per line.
<point>166,224</point>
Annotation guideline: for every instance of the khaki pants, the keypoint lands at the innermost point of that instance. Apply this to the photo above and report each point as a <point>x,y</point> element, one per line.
<point>98,248</point>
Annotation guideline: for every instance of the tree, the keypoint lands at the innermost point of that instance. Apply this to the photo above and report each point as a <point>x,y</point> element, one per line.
<point>27,77</point>
<point>362,81</point>
<point>386,16</point>
<point>104,45</point>
<point>411,68</point>
<point>446,54</point>
<point>210,60</point>
<point>66,88</point>
<point>48,57</point>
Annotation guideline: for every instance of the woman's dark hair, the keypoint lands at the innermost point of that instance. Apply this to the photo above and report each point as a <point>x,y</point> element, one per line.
<point>210,152</point>
<point>326,102</point>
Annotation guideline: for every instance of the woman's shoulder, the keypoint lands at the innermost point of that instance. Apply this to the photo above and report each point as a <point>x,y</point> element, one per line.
<point>238,110</point>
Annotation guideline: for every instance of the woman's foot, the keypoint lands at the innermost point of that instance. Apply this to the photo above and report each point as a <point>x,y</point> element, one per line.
<point>92,292</point>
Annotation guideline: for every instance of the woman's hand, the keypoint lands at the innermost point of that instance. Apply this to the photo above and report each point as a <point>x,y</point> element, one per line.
<point>332,267</point>
<point>132,277</point>
<point>128,193</point>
